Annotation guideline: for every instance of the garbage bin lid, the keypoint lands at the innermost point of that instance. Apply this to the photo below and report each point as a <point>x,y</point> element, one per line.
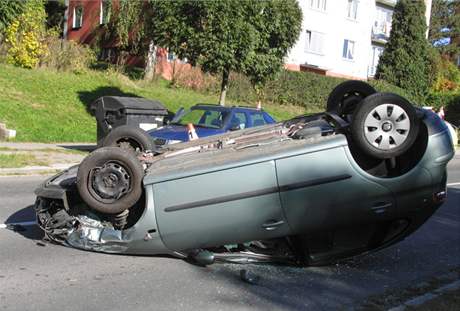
<point>132,103</point>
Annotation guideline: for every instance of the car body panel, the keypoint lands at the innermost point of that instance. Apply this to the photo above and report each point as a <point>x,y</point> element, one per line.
<point>320,191</point>
<point>178,132</point>
<point>237,202</point>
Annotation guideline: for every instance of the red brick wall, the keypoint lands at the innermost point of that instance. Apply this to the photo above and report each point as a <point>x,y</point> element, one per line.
<point>90,26</point>
<point>91,30</point>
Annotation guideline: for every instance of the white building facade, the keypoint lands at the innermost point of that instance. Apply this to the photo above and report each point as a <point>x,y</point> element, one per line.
<point>343,38</point>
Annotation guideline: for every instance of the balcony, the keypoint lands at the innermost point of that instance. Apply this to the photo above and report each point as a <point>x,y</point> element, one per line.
<point>381,32</point>
<point>391,3</point>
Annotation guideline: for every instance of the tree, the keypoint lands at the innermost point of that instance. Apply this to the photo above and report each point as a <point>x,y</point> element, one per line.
<point>405,61</point>
<point>278,25</point>
<point>248,36</point>
<point>55,11</point>
<point>128,23</point>
<point>444,32</point>
<point>9,11</point>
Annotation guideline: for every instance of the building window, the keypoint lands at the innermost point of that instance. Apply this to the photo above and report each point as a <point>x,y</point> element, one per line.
<point>348,49</point>
<point>104,16</point>
<point>382,24</point>
<point>318,4</point>
<point>352,9</point>
<point>375,57</point>
<point>77,17</point>
<point>314,42</point>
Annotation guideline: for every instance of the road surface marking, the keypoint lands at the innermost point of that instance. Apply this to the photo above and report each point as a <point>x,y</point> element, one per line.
<point>420,300</point>
<point>453,184</point>
<point>25,224</point>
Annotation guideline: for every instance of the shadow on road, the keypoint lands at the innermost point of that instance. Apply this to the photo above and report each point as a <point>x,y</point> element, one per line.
<point>85,148</point>
<point>431,251</point>
<point>25,215</point>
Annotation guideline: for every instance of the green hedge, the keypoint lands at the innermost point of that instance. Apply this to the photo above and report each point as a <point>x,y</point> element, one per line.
<point>451,103</point>
<point>305,89</point>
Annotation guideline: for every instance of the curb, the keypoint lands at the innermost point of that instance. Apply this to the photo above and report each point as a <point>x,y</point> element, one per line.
<point>35,170</point>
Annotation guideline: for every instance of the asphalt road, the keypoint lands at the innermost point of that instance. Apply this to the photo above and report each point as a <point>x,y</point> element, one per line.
<point>52,277</point>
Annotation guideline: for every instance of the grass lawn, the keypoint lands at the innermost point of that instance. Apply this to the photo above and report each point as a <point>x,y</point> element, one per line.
<point>19,160</point>
<point>47,106</point>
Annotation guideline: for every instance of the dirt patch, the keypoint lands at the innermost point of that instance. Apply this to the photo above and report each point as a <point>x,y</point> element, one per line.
<point>13,158</point>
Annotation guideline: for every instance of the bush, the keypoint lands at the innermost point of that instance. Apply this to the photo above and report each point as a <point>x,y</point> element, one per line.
<point>25,35</point>
<point>447,77</point>
<point>66,55</point>
<point>304,89</point>
<point>183,75</point>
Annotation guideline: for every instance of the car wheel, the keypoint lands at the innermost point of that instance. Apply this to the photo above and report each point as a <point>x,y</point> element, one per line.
<point>109,180</point>
<point>129,137</point>
<point>346,96</point>
<point>384,125</point>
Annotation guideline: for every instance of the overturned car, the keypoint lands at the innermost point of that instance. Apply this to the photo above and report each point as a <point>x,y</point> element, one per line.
<point>310,190</point>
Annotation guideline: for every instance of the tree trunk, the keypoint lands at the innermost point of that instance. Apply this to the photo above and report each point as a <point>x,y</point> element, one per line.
<point>224,87</point>
<point>149,71</point>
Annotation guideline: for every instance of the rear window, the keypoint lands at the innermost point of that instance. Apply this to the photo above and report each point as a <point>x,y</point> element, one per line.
<point>258,119</point>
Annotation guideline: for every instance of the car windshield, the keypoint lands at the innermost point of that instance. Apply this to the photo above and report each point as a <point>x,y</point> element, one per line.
<point>202,117</point>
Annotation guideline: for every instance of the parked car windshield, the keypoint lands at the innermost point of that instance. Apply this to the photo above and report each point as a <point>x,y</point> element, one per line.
<point>203,118</point>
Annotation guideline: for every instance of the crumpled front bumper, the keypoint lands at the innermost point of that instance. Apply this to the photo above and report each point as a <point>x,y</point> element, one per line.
<point>67,220</point>
<point>59,185</point>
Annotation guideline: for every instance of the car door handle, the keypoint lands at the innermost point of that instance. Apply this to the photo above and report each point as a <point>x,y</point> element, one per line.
<point>381,207</point>
<point>272,225</point>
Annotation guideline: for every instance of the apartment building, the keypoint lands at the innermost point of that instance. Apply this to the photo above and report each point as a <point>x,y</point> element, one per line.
<point>343,38</point>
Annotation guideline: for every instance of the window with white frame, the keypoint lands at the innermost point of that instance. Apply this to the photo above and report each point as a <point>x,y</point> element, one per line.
<point>318,4</point>
<point>376,52</point>
<point>104,15</point>
<point>352,9</point>
<point>77,17</point>
<point>382,23</point>
<point>348,49</point>
<point>314,42</point>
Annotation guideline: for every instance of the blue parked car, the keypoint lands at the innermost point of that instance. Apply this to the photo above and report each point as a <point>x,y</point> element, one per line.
<point>209,120</point>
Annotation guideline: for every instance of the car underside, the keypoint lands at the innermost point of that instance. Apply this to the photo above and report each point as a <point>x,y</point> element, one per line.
<point>301,191</point>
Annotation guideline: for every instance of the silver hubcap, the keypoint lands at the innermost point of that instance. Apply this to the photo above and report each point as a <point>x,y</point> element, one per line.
<point>387,126</point>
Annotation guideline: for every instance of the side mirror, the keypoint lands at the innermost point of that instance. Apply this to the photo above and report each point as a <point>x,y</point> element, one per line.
<point>178,115</point>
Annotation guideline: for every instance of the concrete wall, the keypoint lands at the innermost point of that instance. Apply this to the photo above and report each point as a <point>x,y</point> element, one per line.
<point>334,24</point>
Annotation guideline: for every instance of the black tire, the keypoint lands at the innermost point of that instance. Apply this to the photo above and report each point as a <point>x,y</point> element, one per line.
<point>346,96</point>
<point>385,125</point>
<point>109,180</point>
<point>129,137</point>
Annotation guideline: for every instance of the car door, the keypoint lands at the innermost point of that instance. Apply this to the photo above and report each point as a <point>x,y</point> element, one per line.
<point>321,190</point>
<point>224,206</point>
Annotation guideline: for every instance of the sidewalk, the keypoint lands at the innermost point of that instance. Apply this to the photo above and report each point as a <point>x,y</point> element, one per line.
<point>39,158</point>
<point>41,146</point>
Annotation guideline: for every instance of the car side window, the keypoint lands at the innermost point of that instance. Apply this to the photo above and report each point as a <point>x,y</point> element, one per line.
<point>258,119</point>
<point>211,118</point>
<point>239,120</point>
